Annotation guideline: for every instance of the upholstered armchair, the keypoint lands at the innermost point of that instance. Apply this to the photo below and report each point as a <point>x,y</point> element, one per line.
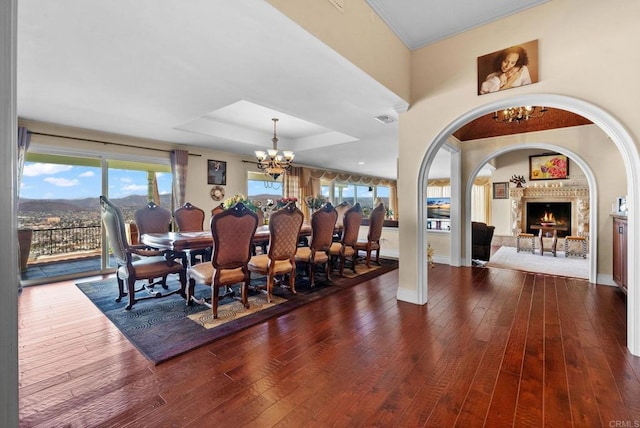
<point>146,265</point>
<point>152,219</point>
<point>481,236</point>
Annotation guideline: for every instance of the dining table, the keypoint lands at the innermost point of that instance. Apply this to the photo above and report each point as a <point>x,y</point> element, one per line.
<point>182,241</point>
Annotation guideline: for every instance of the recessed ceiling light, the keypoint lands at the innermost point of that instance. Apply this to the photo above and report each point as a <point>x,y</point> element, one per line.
<point>384,119</point>
<point>360,163</point>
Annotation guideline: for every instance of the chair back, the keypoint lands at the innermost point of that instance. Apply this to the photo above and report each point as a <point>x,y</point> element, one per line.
<point>351,225</point>
<point>376,220</point>
<point>152,219</point>
<point>113,222</point>
<point>189,218</point>
<point>284,230</point>
<point>232,231</point>
<point>217,210</point>
<point>342,209</point>
<point>323,222</point>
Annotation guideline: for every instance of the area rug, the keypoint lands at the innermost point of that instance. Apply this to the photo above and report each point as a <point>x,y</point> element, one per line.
<point>161,328</point>
<point>509,258</point>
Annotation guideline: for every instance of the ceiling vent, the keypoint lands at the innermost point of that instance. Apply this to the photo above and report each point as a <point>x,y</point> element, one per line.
<point>385,119</point>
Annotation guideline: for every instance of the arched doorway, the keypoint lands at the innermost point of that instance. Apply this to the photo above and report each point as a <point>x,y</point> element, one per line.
<point>610,126</point>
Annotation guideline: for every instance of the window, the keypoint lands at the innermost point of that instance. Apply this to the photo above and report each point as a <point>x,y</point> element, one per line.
<point>59,201</point>
<point>261,187</point>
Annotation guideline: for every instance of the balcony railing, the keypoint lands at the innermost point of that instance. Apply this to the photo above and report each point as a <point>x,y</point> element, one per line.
<point>50,242</point>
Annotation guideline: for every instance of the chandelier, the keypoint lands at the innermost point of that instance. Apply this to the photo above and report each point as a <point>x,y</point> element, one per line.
<point>519,114</point>
<point>271,162</point>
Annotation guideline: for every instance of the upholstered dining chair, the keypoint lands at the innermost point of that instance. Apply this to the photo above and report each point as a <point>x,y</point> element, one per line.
<point>323,222</point>
<point>147,265</point>
<point>284,229</point>
<point>376,221</point>
<point>217,209</point>
<point>232,231</point>
<point>346,248</point>
<point>190,218</point>
<point>152,219</point>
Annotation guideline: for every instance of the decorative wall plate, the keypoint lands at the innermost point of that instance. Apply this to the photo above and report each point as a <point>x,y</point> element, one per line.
<point>217,193</point>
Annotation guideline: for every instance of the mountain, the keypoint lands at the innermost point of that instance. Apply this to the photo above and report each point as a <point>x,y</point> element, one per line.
<point>86,204</point>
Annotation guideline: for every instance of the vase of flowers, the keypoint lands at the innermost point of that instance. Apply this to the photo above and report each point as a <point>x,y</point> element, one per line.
<point>282,202</point>
<point>315,202</point>
<point>239,197</point>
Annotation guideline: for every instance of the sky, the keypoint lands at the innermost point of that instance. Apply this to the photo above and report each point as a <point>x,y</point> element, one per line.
<point>55,181</point>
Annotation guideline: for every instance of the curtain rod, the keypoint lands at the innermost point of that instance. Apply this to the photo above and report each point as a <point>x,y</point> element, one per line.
<point>106,142</point>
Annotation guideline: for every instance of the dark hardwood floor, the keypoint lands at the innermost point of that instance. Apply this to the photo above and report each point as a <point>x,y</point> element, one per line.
<point>492,348</point>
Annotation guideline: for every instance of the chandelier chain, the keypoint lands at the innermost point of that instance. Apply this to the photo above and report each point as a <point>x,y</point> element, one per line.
<point>272,162</point>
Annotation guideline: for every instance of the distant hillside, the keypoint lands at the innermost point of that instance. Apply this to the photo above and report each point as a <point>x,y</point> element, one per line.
<point>86,204</point>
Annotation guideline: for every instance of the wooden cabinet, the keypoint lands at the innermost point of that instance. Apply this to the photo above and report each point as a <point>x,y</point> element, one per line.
<point>620,251</point>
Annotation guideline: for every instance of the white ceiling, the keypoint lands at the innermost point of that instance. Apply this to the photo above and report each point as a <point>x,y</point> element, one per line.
<point>212,73</point>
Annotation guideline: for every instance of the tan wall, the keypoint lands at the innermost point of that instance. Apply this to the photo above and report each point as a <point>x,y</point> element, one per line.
<point>577,58</point>
<point>357,33</point>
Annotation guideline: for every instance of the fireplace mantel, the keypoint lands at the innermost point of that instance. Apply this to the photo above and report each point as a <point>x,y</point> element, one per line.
<point>578,196</point>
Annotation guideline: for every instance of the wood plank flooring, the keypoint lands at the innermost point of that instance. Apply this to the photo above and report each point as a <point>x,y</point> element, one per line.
<point>492,348</point>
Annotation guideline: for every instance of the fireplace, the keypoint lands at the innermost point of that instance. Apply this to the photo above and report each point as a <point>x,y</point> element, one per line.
<point>552,213</point>
<point>569,205</point>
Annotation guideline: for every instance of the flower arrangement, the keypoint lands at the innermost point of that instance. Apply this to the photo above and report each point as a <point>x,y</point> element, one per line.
<point>518,180</point>
<point>239,197</point>
<point>315,202</point>
<point>282,202</point>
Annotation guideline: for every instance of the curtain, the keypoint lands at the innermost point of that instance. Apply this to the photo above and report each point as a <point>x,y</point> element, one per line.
<point>393,201</point>
<point>292,183</point>
<point>179,161</point>
<point>24,139</point>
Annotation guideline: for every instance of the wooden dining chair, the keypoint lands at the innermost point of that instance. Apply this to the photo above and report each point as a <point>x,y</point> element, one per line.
<point>232,231</point>
<point>323,222</point>
<point>146,265</point>
<point>376,221</point>
<point>152,219</point>
<point>190,218</point>
<point>284,229</point>
<point>346,248</point>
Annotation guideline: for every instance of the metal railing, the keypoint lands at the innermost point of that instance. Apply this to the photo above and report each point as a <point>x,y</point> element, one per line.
<point>48,242</point>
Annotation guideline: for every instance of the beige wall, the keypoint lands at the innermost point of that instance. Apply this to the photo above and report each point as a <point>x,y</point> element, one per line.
<point>357,33</point>
<point>577,59</point>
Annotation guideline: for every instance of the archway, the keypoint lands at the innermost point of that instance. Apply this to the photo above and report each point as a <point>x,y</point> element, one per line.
<point>610,126</point>
<point>593,197</point>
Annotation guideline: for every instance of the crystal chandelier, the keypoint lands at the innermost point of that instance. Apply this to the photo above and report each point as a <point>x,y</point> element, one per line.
<point>518,114</point>
<point>272,163</point>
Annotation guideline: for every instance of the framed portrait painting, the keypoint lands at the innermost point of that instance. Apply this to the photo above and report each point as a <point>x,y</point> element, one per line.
<point>548,167</point>
<point>217,172</point>
<point>511,67</point>
<point>501,190</point>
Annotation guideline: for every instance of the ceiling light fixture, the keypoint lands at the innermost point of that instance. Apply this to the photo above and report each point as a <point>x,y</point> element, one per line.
<point>518,114</point>
<point>271,162</point>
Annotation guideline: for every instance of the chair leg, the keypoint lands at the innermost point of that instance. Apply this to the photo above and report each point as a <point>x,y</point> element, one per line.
<point>215,291</point>
<point>121,292</point>
<point>292,281</point>
<point>131,286</point>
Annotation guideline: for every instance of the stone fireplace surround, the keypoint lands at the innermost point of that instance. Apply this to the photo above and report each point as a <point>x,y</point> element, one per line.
<point>577,196</point>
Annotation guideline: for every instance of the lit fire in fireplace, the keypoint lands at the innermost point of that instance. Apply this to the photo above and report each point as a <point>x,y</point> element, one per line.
<point>548,219</point>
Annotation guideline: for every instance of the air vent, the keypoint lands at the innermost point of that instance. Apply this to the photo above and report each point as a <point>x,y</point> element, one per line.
<point>385,119</point>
